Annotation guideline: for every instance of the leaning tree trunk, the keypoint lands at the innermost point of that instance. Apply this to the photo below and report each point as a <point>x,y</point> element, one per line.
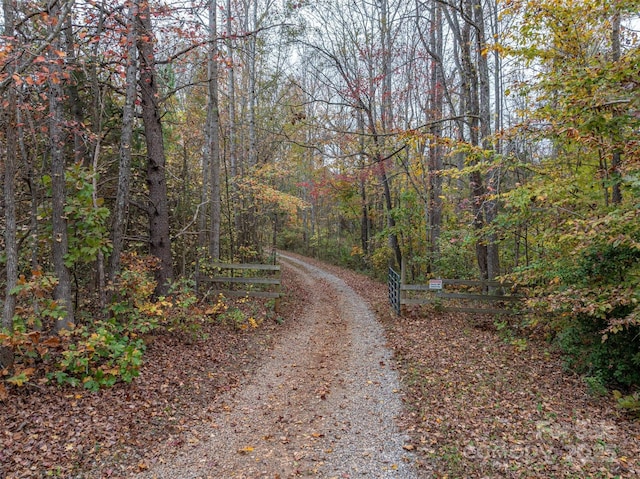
<point>158,208</point>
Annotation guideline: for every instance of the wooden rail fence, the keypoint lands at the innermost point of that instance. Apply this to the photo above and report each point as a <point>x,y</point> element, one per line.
<point>242,280</point>
<point>454,295</point>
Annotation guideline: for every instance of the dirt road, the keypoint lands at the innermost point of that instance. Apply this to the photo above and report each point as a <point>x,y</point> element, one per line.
<point>323,404</point>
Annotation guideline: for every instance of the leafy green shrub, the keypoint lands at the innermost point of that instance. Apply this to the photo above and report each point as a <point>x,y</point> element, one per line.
<point>601,339</point>
<point>133,305</point>
<point>100,356</point>
<point>630,403</point>
<point>585,291</point>
<point>94,356</point>
<point>31,349</point>
<point>614,360</point>
<point>98,353</point>
<point>35,307</point>
<point>87,223</point>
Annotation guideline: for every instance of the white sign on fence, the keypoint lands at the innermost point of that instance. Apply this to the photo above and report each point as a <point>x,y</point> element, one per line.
<point>435,284</point>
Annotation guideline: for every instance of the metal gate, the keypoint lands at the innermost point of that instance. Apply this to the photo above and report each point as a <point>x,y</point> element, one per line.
<point>394,290</point>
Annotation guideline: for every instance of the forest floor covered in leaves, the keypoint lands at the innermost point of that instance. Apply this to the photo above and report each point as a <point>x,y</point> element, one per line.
<point>477,404</point>
<point>48,431</point>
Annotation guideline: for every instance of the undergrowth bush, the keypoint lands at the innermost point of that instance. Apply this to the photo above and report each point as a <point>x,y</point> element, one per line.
<point>101,351</point>
<point>95,353</point>
<point>591,300</point>
<point>100,356</point>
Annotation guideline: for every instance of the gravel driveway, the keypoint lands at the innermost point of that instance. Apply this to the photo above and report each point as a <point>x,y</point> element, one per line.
<point>323,404</point>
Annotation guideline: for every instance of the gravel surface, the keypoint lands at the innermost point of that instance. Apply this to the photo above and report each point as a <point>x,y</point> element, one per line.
<point>323,403</point>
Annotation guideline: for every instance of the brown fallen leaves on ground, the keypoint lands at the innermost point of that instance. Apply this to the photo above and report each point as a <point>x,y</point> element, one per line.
<point>48,431</point>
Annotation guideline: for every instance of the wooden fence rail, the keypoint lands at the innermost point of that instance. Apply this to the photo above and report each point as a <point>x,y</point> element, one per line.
<point>457,295</point>
<point>246,280</point>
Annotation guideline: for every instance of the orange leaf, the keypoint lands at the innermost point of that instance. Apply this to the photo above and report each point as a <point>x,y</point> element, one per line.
<point>34,336</point>
<point>4,394</point>
<point>52,342</point>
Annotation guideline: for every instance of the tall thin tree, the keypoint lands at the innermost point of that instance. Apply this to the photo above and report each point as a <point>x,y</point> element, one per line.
<point>213,131</point>
<point>10,148</point>
<point>124,168</point>
<point>60,242</point>
<point>158,207</point>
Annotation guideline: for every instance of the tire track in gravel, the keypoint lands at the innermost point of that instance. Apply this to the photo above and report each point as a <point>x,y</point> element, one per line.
<point>322,404</point>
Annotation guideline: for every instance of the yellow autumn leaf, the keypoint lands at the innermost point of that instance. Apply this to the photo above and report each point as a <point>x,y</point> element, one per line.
<point>245,450</point>
<point>22,377</point>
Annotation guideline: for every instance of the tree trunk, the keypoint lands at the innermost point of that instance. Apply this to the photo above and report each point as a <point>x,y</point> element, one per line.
<point>391,222</point>
<point>60,247</point>
<point>253,40</point>
<point>364,206</point>
<point>33,193</point>
<point>490,205</point>
<point>471,105</point>
<point>435,150</point>
<point>80,148</point>
<point>121,206</point>
<point>10,241</point>
<point>75,105</point>
<point>158,209</point>
<point>213,136</point>
<point>385,120</point>
<point>233,154</point>
<point>616,192</point>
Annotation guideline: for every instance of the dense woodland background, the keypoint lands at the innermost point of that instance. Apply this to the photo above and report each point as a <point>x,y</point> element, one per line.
<point>467,139</point>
